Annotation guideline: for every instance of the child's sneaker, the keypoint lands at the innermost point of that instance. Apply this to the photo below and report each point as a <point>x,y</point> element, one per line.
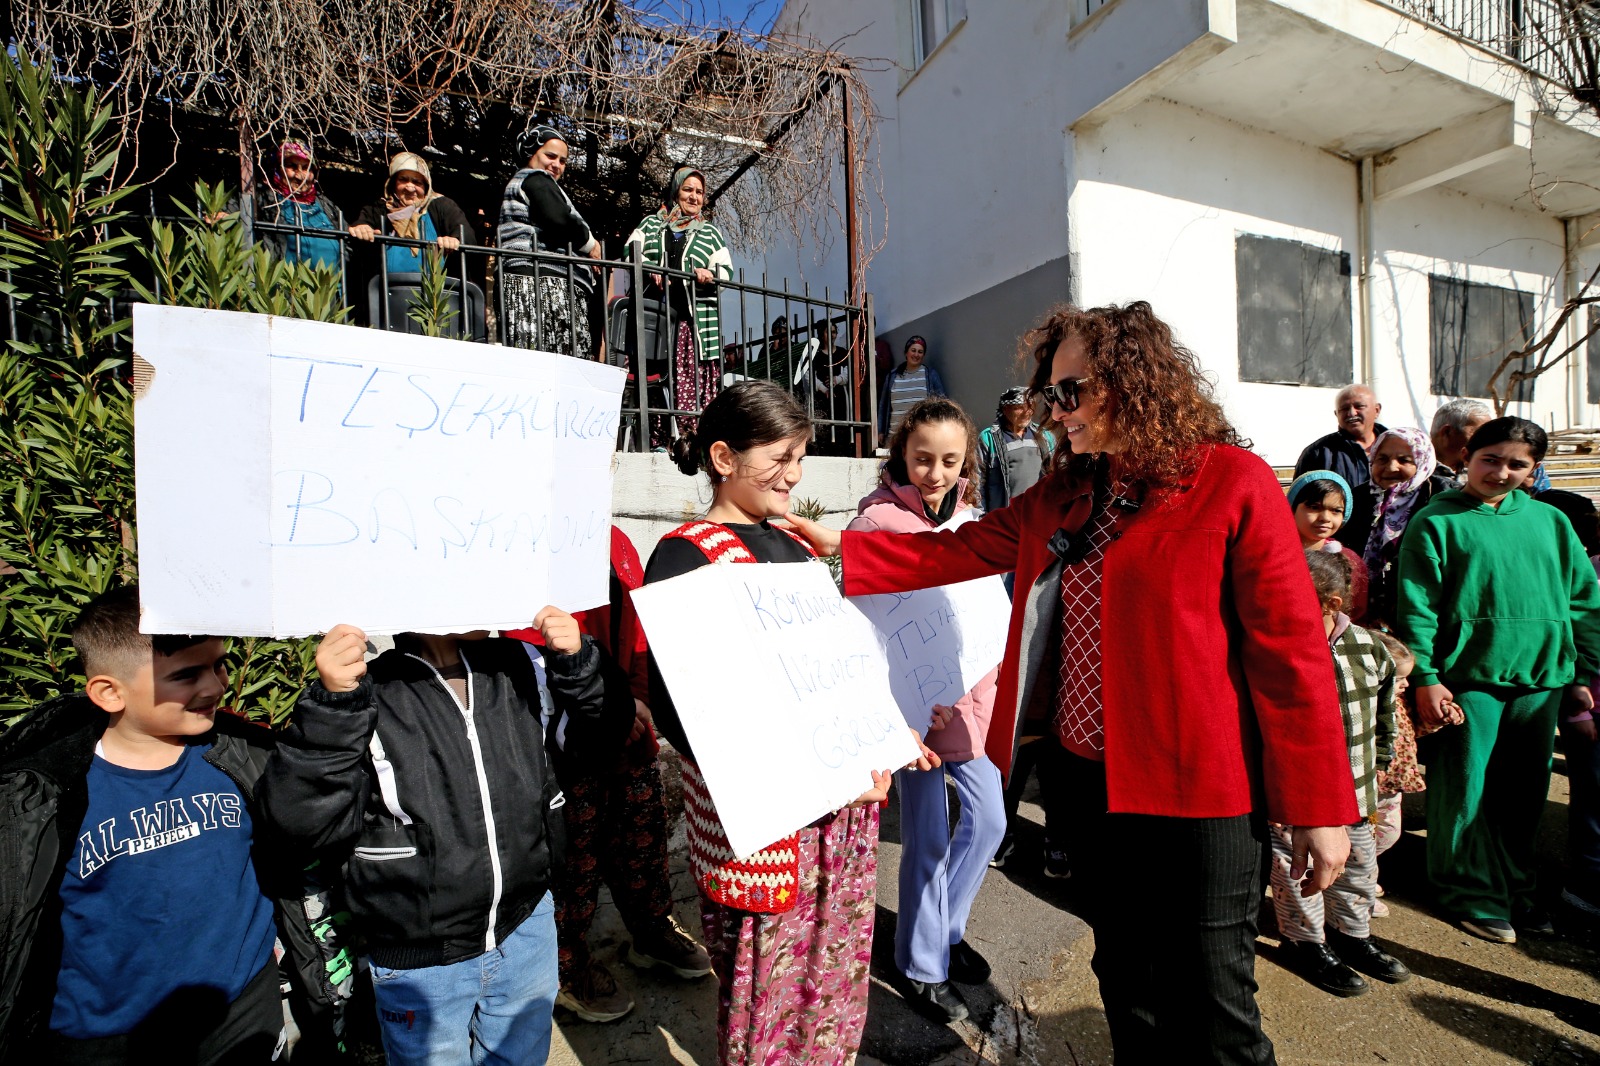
<point>1494,930</point>
<point>1380,909</point>
<point>1584,903</point>
<point>670,948</point>
<point>1533,919</point>
<point>1008,844</point>
<point>593,995</point>
<point>1056,863</point>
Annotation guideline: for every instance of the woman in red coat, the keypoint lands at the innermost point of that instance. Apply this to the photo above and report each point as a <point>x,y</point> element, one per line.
<point>1165,615</point>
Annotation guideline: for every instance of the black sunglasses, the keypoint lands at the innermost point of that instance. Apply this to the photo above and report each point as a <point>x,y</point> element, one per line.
<point>1064,393</point>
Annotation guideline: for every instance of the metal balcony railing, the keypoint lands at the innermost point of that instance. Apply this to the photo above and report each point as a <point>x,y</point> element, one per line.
<point>1549,37</point>
<point>833,381</point>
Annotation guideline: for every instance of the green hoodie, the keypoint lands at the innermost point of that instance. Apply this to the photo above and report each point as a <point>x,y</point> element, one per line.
<point>1501,597</point>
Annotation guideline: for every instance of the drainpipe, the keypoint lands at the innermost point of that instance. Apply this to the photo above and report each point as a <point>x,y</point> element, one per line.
<point>1364,293</point>
<point>1570,281</point>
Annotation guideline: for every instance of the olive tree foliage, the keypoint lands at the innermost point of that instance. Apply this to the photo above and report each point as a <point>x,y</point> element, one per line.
<point>72,261</point>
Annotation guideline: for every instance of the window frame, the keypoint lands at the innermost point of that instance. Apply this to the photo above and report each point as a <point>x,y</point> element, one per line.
<point>1315,369</point>
<point>1448,378</point>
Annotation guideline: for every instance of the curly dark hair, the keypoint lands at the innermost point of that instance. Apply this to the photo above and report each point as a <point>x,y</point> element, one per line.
<point>926,412</point>
<point>1161,406</point>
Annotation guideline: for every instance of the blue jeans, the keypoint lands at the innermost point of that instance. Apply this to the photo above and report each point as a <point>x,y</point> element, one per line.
<point>940,871</point>
<point>493,1009</point>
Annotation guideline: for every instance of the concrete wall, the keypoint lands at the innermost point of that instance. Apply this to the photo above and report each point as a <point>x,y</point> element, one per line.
<point>1160,192</point>
<point>970,150</point>
<point>974,341</point>
<point>650,496</point>
<point>998,211</point>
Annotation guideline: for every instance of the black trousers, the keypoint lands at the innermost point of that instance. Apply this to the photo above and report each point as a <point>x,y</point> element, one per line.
<point>1173,904</point>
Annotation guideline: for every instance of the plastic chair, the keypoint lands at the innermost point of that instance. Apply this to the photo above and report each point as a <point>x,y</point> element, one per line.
<point>405,291</point>
<point>657,362</point>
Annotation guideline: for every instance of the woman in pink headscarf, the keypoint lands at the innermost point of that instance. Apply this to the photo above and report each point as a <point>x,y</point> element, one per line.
<point>1404,479</point>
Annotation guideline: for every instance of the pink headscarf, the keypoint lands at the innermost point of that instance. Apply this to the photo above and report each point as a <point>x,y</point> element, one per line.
<point>1396,504</point>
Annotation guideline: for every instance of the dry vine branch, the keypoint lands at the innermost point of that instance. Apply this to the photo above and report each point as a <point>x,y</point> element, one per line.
<point>460,79</point>
<point>1540,348</point>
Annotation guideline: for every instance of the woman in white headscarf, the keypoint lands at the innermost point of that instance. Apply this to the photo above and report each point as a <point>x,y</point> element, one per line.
<point>411,208</point>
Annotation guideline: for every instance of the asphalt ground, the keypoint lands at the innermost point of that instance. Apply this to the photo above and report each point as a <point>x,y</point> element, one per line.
<point>1470,1002</point>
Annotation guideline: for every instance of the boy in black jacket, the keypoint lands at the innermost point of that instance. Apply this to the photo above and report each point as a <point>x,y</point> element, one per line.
<point>138,928</point>
<point>428,768</point>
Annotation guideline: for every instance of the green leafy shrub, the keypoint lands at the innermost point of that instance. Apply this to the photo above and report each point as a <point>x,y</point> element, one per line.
<point>66,409</point>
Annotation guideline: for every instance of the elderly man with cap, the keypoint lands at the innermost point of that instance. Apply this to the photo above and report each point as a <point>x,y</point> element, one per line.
<point>410,208</point>
<point>546,301</point>
<point>1347,451</point>
<point>1013,452</point>
<point>1453,425</point>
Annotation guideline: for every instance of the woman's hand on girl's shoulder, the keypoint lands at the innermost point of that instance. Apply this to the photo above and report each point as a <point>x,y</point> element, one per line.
<point>824,540</point>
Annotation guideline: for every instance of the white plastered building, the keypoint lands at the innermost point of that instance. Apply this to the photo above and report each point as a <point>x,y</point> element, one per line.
<point>1311,192</point>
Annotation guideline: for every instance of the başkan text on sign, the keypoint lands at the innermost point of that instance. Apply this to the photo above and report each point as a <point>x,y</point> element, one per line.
<point>294,474</point>
<point>790,711</point>
<point>939,642</point>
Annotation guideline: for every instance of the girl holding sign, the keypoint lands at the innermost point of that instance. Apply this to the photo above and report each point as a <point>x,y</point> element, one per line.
<point>932,453</point>
<point>1164,609</point>
<point>789,929</point>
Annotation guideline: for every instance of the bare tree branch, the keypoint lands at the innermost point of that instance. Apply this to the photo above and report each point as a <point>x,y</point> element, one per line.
<point>636,92</point>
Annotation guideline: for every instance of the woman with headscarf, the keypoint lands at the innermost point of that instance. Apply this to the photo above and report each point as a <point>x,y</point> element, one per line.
<point>908,384</point>
<point>291,198</point>
<point>1404,478</point>
<point>410,208</point>
<point>678,237</point>
<point>546,301</point>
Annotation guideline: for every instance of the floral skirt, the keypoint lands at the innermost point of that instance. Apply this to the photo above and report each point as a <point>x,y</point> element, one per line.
<point>541,314</point>
<point>793,986</point>
<point>694,384</point>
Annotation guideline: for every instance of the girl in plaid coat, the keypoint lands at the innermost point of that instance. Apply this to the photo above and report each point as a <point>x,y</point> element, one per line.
<point>1329,937</point>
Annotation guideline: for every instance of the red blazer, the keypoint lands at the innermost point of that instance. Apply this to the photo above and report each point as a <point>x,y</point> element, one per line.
<point>1217,682</point>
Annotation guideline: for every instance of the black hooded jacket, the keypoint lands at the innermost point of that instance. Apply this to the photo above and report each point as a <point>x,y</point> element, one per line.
<point>450,816</point>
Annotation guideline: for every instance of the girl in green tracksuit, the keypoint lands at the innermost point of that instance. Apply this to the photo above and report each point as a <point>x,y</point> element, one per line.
<point>1500,604</point>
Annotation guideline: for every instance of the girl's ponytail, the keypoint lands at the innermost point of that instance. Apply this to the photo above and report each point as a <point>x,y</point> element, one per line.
<point>686,454</point>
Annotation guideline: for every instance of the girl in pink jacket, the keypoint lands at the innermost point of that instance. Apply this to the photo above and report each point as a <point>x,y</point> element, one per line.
<point>925,486</point>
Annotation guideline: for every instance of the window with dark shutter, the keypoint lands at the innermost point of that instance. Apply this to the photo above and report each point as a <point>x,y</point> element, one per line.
<point>1472,327</point>
<point>1294,313</point>
<point>1593,355</point>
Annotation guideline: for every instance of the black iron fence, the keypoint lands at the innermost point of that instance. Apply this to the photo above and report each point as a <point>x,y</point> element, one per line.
<point>1543,35</point>
<point>631,314</point>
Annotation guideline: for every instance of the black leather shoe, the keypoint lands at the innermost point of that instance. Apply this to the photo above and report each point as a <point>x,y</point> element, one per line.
<point>1318,964</point>
<point>937,1001</point>
<point>1363,955</point>
<point>967,966</point>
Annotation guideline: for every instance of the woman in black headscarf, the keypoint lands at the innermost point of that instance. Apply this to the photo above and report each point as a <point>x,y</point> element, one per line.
<point>546,301</point>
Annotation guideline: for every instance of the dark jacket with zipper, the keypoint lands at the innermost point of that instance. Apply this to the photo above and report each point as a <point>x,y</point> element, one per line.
<point>449,816</point>
<point>44,769</point>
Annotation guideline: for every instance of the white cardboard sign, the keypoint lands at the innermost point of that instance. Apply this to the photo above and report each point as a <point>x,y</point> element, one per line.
<point>939,642</point>
<point>292,475</point>
<point>782,688</point>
